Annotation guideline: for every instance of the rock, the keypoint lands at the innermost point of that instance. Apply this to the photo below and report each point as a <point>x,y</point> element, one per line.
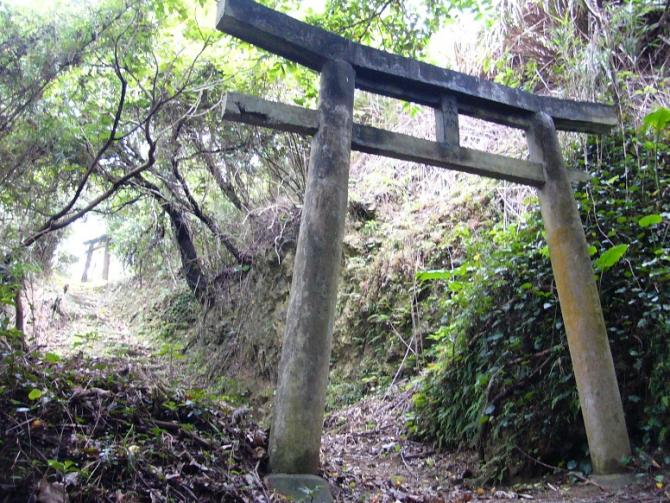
<point>300,488</point>
<point>51,492</point>
<point>614,481</point>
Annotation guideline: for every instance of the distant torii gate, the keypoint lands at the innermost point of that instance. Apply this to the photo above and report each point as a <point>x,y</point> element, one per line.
<point>93,245</point>
<point>344,65</point>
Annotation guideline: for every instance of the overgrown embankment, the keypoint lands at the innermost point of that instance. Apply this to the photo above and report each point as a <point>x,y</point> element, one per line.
<point>501,380</point>
<point>385,314</point>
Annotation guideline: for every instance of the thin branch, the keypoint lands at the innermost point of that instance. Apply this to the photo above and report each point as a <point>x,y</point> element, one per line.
<point>53,225</point>
<point>108,143</point>
<point>226,187</point>
<point>240,257</point>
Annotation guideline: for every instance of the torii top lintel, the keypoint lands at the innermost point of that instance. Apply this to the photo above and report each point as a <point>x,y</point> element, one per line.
<point>404,78</point>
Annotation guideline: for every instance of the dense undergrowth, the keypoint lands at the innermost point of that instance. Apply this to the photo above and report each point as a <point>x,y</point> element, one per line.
<point>501,380</point>
<point>82,429</point>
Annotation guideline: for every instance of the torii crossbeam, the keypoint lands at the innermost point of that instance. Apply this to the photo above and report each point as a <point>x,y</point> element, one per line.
<point>344,65</point>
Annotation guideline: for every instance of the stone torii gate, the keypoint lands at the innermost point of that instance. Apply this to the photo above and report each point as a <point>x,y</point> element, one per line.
<point>93,245</point>
<point>344,65</point>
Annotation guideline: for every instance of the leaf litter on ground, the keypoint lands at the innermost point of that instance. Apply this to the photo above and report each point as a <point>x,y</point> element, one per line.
<point>368,455</point>
<point>89,429</point>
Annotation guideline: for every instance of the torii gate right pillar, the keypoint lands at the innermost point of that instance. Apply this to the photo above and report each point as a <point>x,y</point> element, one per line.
<point>580,305</point>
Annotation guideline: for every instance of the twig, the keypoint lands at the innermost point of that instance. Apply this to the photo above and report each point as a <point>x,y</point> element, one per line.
<point>260,482</point>
<point>371,432</point>
<point>407,467</point>
<point>168,425</point>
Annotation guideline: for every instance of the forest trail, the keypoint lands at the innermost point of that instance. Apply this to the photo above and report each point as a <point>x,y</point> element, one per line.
<point>366,450</point>
<point>368,457</point>
<point>88,318</point>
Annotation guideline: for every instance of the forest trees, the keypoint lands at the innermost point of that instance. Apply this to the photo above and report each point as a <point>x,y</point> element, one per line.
<point>113,108</point>
<point>93,111</point>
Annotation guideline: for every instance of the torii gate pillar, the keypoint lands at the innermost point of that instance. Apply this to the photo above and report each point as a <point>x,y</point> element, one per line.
<point>295,438</point>
<point>580,304</point>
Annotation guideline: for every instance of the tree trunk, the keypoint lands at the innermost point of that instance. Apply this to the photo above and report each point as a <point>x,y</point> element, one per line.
<point>192,270</point>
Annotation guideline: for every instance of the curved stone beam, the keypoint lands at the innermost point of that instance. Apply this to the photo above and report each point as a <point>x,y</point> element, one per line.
<point>404,78</point>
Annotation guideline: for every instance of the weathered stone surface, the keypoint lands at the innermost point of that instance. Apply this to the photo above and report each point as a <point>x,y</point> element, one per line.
<point>300,488</point>
<point>408,148</point>
<point>446,122</point>
<point>259,112</point>
<point>295,437</point>
<point>403,78</point>
<point>270,114</point>
<point>614,481</point>
<point>580,306</point>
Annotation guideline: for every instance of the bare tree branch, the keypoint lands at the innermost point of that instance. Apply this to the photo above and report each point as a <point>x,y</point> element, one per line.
<point>53,225</point>
<point>108,143</point>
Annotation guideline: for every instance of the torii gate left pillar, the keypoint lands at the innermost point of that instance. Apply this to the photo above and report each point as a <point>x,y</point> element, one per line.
<point>303,369</point>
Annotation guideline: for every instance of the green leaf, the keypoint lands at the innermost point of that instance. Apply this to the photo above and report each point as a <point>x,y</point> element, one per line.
<point>52,358</point>
<point>435,274</point>
<point>592,250</point>
<point>610,257</point>
<point>55,464</point>
<point>65,466</point>
<point>657,120</point>
<point>650,220</point>
<point>35,394</point>
<point>483,380</point>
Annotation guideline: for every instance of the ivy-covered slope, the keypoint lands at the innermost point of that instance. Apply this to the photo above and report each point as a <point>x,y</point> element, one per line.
<point>501,379</point>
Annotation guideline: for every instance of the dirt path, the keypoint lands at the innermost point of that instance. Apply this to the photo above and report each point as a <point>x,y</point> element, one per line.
<point>368,455</point>
<point>369,458</point>
<point>85,318</point>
